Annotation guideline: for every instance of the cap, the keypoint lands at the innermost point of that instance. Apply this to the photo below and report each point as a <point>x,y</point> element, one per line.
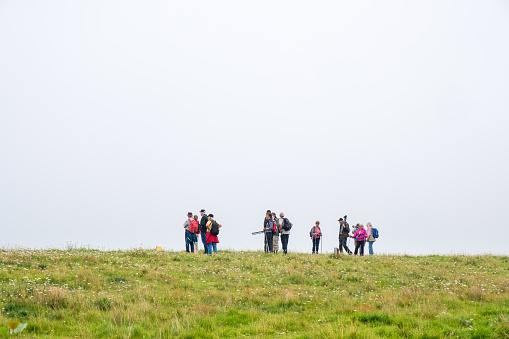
<point>202,211</point>
<point>211,215</point>
<point>340,219</point>
<point>189,214</point>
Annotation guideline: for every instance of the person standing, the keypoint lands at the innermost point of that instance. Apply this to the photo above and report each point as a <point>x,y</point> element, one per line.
<point>264,221</point>
<point>370,237</point>
<point>360,235</point>
<point>267,227</point>
<point>355,228</point>
<point>203,228</point>
<point>195,230</point>
<point>285,227</point>
<point>344,233</point>
<point>188,236</point>
<point>315,234</point>
<point>275,233</point>
<point>212,233</point>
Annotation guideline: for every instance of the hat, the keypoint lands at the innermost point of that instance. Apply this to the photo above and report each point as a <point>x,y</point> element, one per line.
<point>340,219</point>
<point>189,214</point>
<point>202,211</point>
<point>211,215</point>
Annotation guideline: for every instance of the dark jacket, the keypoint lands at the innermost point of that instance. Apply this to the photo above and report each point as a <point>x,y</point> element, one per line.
<point>203,223</point>
<point>268,224</point>
<point>344,230</point>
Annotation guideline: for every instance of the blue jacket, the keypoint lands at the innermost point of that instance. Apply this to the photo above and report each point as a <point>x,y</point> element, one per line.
<point>268,224</point>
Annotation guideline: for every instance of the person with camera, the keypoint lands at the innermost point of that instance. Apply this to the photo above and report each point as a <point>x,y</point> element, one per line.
<point>360,237</point>
<point>344,232</point>
<point>315,234</point>
<point>354,229</point>
<point>268,225</point>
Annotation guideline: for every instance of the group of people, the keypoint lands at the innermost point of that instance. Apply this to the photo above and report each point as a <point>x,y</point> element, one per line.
<point>207,228</point>
<point>359,234</point>
<point>273,229</point>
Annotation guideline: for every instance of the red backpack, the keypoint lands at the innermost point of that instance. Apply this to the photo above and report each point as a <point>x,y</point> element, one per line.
<point>194,226</point>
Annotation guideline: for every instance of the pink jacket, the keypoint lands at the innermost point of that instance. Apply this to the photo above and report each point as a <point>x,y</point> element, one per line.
<point>360,234</point>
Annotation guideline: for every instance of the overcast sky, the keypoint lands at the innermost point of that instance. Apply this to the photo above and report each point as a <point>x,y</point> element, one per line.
<point>119,117</point>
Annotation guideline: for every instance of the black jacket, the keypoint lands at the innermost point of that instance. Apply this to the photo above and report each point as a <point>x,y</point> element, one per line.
<point>203,223</point>
<point>344,230</point>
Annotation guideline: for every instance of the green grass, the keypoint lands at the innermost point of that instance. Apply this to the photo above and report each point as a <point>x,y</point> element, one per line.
<point>143,293</point>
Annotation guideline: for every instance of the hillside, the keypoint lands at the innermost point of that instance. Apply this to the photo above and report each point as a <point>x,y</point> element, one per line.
<point>79,293</point>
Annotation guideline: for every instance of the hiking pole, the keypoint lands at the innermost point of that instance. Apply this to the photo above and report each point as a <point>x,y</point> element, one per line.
<point>259,232</point>
<point>321,244</point>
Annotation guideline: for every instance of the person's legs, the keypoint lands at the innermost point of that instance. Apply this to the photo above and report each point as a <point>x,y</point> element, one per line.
<point>317,244</point>
<point>345,239</point>
<point>209,248</point>
<point>340,244</point>
<point>204,241</point>
<point>362,243</point>
<point>371,247</point>
<point>187,241</point>
<point>269,243</point>
<point>284,242</point>
<point>357,243</point>
<point>275,243</point>
<point>214,246</point>
<point>192,246</point>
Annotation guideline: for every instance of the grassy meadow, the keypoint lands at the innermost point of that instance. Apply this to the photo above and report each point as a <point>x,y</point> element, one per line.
<point>140,293</point>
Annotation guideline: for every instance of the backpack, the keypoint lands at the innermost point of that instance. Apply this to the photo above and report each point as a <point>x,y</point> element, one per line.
<point>375,233</point>
<point>214,230</point>
<point>275,228</point>
<point>194,226</point>
<point>287,225</point>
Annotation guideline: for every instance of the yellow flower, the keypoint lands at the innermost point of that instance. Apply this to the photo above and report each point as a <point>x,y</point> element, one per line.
<point>13,324</point>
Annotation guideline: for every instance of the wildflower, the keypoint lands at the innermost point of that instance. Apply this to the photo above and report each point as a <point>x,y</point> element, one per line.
<point>13,324</point>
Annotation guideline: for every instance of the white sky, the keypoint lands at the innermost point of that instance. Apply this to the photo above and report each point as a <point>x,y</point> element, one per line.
<point>119,117</point>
